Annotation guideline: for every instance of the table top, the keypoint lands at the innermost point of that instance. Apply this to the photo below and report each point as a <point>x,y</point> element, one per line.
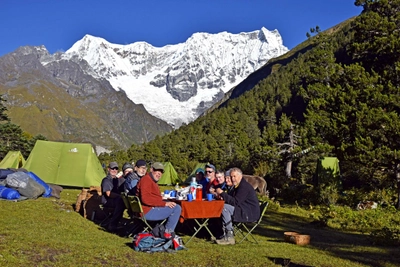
<point>200,209</point>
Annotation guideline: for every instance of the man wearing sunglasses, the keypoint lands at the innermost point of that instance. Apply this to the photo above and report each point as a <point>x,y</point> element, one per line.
<point>111,187</point>
<point>210,176</point>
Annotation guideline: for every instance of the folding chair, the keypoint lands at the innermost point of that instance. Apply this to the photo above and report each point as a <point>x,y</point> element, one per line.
<point>107,213</point>
<point>135,211</point>
<point>243,228</point>
<point>135,226</point>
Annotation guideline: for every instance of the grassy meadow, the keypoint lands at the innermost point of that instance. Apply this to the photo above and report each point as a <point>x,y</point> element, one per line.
<point>48,232</point>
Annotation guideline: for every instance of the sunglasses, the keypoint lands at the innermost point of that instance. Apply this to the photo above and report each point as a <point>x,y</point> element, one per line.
<point>209,171</point>
<point>115,168</point>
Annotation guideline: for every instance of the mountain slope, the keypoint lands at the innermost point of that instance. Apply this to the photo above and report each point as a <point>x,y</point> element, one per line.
<point>64,103</point>
<point>244,127</point>
<point>88,94</point>
<point>177,83</point>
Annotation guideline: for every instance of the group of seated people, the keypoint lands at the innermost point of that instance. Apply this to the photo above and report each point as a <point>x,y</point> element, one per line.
<point>241,202</point>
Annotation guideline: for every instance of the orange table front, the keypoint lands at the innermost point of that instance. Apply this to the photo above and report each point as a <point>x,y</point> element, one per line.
<point>200,211</point>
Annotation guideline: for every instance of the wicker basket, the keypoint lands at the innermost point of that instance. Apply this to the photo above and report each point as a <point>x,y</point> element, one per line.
<point>296,238</point>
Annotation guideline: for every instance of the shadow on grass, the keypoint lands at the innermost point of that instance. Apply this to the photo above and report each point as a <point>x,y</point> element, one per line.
<point>286,262</point>
<point>352,246</point>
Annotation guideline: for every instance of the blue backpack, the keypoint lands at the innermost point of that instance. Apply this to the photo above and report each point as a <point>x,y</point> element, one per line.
<point>147,242</point>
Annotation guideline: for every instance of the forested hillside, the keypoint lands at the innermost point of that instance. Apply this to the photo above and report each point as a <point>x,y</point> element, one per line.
<point>12,137</point>
<point>338,96</point>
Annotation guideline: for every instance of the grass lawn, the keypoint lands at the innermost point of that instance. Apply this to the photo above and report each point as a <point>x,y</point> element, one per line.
<point>47,232</point>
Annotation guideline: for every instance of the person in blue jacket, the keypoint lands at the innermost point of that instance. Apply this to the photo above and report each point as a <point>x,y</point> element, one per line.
<point>133,175</point>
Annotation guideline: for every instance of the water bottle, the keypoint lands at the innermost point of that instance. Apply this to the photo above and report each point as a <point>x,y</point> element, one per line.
<point>193,187</point>
<point>199,192</point>
<point>177,187</point>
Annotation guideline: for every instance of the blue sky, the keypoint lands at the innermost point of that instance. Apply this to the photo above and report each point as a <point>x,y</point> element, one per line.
<point>58,24</point>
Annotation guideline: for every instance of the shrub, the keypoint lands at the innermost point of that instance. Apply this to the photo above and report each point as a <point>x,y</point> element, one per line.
<point>346,218</point>
<point>386,236</point>
<point>272,204</point>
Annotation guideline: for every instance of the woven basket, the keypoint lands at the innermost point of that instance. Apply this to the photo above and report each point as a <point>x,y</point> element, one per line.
<point>296,238</point>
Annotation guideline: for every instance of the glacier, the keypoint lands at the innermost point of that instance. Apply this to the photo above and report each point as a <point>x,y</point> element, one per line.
<point>178,82</point>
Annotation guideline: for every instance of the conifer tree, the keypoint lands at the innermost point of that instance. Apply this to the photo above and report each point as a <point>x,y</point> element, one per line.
<point>3,109</point>
<point>377,47</point>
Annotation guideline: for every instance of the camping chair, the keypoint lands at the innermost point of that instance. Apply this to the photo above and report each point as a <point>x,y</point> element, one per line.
<point>133,228</point>
<point>135,211</point>
<point>243,228</point>
<point>107,213</point>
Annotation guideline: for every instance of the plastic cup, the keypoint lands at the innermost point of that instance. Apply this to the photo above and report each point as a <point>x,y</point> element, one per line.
<point>189,197</point>
<point>172,193</point>
<point>210,197</point>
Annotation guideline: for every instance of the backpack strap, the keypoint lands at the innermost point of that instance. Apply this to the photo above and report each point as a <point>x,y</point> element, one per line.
<point>163,248</point>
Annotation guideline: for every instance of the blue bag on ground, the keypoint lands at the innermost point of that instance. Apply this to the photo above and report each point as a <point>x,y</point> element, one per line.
<point>147,242</point>
<point>47,188</point>
<point>9,193</point>
<point>5,172</point>
<point>24,184</point>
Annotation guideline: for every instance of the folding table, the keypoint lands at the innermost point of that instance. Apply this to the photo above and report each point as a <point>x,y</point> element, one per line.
<point>200,211</point>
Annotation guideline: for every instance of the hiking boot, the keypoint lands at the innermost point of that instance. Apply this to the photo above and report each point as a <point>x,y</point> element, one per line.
<point>228,239</point>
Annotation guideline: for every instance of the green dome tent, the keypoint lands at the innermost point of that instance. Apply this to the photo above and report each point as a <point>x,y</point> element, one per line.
<point>67,164</point>
<point>193,173</point>
<point>328,171</point>
<point>170,176</point>
<point>13,159</point>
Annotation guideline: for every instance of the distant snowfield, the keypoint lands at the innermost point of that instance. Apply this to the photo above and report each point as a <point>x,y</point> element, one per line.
<point>212,62</point>
<point>159,103</point>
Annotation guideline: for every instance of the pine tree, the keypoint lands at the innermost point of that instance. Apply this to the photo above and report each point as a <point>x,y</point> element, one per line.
<point>377,48</point>
<point>3,109</point>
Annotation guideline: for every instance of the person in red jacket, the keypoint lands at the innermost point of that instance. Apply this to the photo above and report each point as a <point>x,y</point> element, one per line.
<point>210,176</point>
<point>154,207</point>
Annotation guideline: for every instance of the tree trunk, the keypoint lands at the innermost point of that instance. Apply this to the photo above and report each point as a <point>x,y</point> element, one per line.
<point>397,172</point>
<point>288,169</point>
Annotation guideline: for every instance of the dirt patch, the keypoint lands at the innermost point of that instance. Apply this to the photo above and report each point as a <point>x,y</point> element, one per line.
<point>40,255</point>
<point>3,238</point>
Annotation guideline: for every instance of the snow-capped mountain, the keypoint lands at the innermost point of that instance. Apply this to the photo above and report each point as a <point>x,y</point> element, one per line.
<point>177,83</point>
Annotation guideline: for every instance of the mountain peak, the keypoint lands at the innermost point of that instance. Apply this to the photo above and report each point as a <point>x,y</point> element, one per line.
<point>177,83</point>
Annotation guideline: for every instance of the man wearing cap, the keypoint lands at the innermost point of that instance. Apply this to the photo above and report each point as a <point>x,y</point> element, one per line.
<point>154,207</point>
<point>133,176</point>
<point>210,176</point>
<point>111,195</point>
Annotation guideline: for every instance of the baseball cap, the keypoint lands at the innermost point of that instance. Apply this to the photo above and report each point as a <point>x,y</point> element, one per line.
<point>113,164</point>
<point>209,165</point>
<point>140,163</point>
<point>158,166</point>
<point>200,170</point>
